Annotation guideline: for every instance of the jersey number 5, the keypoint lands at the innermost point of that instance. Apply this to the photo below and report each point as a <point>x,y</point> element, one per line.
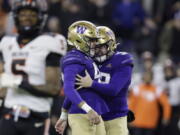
<point>17,65</point>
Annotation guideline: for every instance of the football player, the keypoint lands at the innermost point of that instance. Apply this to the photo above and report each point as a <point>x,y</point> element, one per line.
<point>115,71</point>
<point>31,70</point>
<point>87,106</point>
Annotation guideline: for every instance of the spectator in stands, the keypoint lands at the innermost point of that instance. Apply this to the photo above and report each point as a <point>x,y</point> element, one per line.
<point>126,16</point>
<point>173,90</point>
<point>53,25</point>
<point>149,63</point>
<point>169,39</point>
<point>154,8</point>
<point>101,11</point>
<point>145,37</point>
<point>144,101</point>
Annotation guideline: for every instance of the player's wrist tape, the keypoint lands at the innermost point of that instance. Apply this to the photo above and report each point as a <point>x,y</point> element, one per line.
<point>86,107</point>
<point>64,116</point>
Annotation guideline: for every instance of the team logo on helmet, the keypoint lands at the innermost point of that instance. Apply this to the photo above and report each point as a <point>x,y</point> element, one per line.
<point>81,29</point>
<point>81,35</point>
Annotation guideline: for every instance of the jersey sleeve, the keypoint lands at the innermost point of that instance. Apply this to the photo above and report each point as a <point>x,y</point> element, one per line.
<point>66,104</point>
<point>121,77</point>
<point>53,60</point>
<point>119,80</point>
<point>71,66</point>
<point>62,43</point>
<point>3,42</point>
<point>70,71</point>
<point>126,59</point>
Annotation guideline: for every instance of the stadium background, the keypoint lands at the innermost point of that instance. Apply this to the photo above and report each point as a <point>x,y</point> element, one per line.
<point>149,29</point>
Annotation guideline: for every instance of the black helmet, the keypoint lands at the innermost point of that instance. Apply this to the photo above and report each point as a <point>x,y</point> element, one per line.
<point>40,6</point>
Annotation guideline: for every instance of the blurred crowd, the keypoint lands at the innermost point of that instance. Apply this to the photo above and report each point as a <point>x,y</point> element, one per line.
<point>149,29</point>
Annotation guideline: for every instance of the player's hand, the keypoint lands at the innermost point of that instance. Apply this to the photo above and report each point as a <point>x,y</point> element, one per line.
<point>93,117</point>
<point>60,126</point>
<point>8,80</point>
<point>84,82</point>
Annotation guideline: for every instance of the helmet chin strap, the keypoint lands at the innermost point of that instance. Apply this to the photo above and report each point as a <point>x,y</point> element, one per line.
<point>28,30</point>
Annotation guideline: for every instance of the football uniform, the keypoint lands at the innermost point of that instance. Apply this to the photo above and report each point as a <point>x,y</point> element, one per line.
<point>115,78</point>
<point>114,83</point>
<point>29,61</point>
<point>76,62</point>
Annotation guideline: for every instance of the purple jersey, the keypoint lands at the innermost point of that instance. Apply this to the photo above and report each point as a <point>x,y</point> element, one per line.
<point>76,62</point>
<point>113,85</point>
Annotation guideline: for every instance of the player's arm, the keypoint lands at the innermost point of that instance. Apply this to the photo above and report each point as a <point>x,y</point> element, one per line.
<point>65,107</point>
<point>61,124</point>
<point>53,75</point>
<point>53,80</point>
<point>117,82</point>
<point>121,76</point>
<point>47,124</point>
<point>50,89</point>
<point>70,72</point>
<point>2,90</point>
<point>66,104</point>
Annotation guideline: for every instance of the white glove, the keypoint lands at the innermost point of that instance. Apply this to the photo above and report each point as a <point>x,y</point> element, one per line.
<point>8,80</point>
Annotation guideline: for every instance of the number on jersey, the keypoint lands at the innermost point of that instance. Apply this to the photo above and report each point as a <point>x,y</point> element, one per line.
<point>105,78</point>
<point>102,77</point>
<point>96,72</point>
<point>16,70</point>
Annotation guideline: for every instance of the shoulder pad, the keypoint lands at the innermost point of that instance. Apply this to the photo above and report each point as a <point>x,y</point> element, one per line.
<point>63,43</point>
<point>7,40</point>
<point>72,58</point>
<point>49,34</point>
<point>46,36</point>
<point>125,58</point>
<point>52,34</point>
<point>54,44</point>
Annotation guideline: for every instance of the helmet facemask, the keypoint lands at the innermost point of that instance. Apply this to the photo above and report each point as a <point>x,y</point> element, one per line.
<point>106,44</point>
<point>34,6</point>
<point>103,52</point>
<point>91,43</point>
